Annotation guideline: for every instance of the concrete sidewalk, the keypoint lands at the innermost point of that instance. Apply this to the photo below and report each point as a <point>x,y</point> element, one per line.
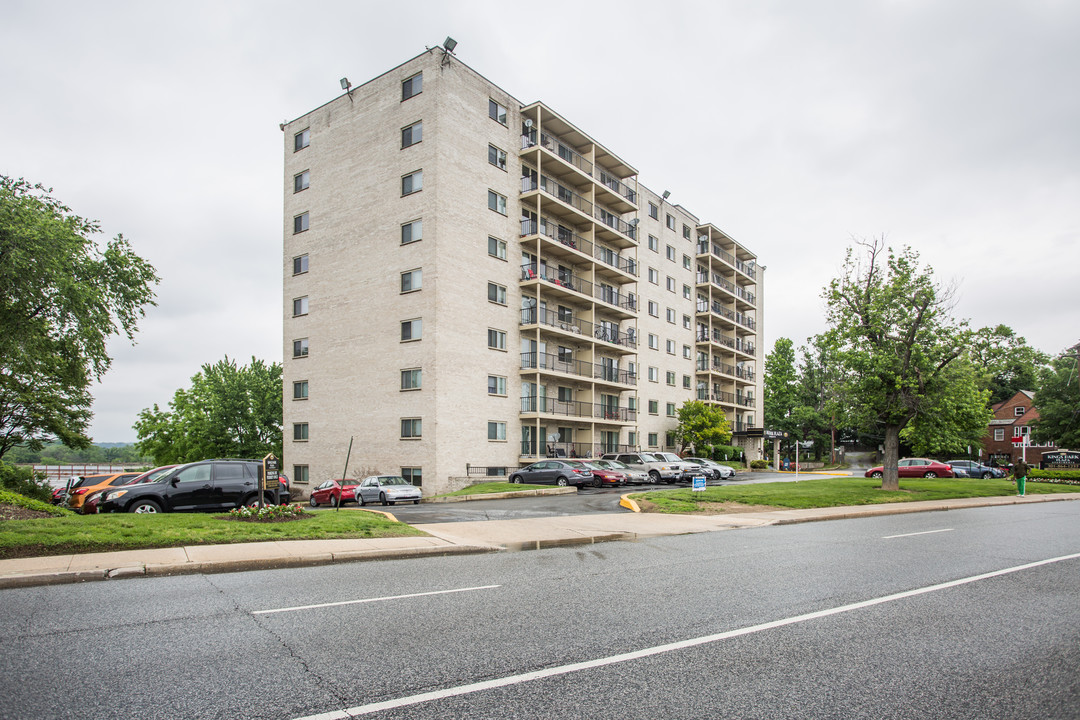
<point>444,539</point>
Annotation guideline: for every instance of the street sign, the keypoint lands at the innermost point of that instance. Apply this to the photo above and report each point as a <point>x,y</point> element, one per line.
<point>1019,439</point>
<point>699,483</point>
<point>270,472</point>
<point>773,434</point>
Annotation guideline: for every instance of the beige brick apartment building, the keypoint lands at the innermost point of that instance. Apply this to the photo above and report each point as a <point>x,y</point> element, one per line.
<point>470,281</point>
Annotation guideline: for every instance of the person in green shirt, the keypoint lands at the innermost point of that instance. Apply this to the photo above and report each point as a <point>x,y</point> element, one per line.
<point>1020,471</point>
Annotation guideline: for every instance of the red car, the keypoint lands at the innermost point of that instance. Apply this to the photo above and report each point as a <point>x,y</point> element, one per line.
<point>915,467</point>
<point>606,476</point>
<point>334,493</point>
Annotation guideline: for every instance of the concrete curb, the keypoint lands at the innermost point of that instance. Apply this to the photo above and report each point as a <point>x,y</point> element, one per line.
<point>503,495</point>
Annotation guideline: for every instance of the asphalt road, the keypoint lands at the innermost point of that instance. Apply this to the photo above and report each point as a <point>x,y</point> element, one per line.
<point>841,619</point>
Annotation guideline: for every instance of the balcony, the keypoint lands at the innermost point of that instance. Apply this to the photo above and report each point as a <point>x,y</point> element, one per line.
<point>570,451</point>
<point>726,313</point>
<point>723,283</point>
<point>744,346</point>
<point>580,368</point>
<point>603,332</point>
<point>557,147</point>
<point>568,238</point>
<point>618,187</point>
<point>612,220</point>
<point>567,281</point>
<point>578,409</point>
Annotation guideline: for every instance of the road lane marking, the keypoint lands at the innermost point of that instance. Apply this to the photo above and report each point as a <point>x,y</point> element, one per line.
<point>660,649</point>
<point>371,600</point>
<point>926,532</point>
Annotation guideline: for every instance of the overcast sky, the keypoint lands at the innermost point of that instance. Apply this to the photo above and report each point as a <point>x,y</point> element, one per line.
<point>796,127</point>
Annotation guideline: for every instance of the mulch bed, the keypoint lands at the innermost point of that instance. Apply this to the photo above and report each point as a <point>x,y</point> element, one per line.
<point>15,512</point>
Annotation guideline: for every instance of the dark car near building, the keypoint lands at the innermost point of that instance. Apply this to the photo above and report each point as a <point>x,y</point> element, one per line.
<point>208,485</point>
<point>559,472</point>
<point>970,468</point>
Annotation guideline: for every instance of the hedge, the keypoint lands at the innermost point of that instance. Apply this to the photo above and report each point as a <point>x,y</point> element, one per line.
<point>1057,477</point>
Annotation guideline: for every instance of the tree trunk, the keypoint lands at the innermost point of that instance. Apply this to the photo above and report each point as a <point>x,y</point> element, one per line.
<point>891,478</point>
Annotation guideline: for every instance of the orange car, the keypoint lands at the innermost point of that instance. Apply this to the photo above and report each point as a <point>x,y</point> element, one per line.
<point>92,483</point>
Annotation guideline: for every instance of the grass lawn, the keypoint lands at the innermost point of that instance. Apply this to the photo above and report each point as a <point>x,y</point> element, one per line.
<point>832,492</point>
<point>103,533</point>
<point>494,487</point>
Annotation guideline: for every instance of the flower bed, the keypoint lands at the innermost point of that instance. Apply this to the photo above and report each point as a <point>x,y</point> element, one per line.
<point>269,513</point>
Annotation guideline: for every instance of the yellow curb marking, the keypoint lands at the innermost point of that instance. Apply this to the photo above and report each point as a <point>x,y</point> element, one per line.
<point>627,502</point>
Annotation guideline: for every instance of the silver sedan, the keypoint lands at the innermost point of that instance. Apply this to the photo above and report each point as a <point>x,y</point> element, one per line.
<point>387,489</point>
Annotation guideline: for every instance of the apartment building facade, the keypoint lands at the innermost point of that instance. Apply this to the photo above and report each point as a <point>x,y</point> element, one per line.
<point>474,282</point>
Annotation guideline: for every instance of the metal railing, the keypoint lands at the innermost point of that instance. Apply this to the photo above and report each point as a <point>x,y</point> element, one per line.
<point>723,283</point>
<point>576,408</point>
<point>704,247</point>
<point>571,451</point>
<point>581,368</point>
<point>734,343</point>
<point>613,221</point>
<point>564,235</point>
<point>617,186</point>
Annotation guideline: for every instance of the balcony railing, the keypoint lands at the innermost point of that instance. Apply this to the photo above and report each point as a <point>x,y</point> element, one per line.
<point>567,195</point>
<point>735,317</point>
<point>569,323</point>
<point>566,236</point>
<point>726,368</point>
<point>571,451</point>
<point>604,293</point>
<point>722,282</point>
<point>734,343</point>
<point>748,269</point>
<point>617,186</point>
<point>556,146</point>
<point>581,368</point>
<point>613,221</point>
<point>575,408</point>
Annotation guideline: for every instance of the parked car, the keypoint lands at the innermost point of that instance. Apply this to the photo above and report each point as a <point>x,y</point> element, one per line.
<point>970,468</point>
<point>59,495</point>
<point>915,467</point>
<point>90,505</point>
<point>334,493</point>
<point>92,483</point>
<point>558,472</point>
<point>714,469</point>
<point>656,468</point>
<point>204,485</point>
<point>634,477</point>
<point>605,476</point>
<point>687,468</point>
<point>387,489</point>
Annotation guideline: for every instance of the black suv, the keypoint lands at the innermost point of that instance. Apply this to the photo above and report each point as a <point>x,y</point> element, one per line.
<point>204,485</point>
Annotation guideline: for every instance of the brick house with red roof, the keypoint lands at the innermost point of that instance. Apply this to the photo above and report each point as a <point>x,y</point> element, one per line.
<point>1013,418</point>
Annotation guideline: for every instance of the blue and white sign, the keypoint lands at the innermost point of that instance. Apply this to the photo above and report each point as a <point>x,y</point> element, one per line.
<point>699,483</point>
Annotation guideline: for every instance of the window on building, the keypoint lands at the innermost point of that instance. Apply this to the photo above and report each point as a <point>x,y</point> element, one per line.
<point>671,378</point>
<point>411,183</point>
<point>654,211</point>
<point>412,280</point>
<point>671,315</point>
<point>670,252</point>
<point>671,347</point>
<point>496,293</point>
<point>300,264</point>
<point>654,374</point>
<point>497,157</point>
<point>686,380</point>
<point>654,308</point>
<point>686,322</point>
<point>414,475</point>
<point>411,330</point>
<point>300,306</point>
<point>300,390</point>
<point>496,430</point>
<point>496,385</point>
<point>412,231</point>
<point>496,339</point>
<point>496,111</point>
<point>300,431</point>
<point>654,407</point>
<point>686,291</point>
<point>300,474</point>
<point>671,284</point>
<point>300,348</point>
<point>654,439</point>
<point>411,379</point>
<point>654,244</point>
<point>411,428</point>
<point>654,342</point>
<point>1018,411</point>
<point>686,231</point>
<point>300,223</point>
<point>671,409</point>
<point>654,276</point>
<point>686,351</point>
<point>671,221</point>
<point>301,139</point>
<point>999,434</point>
<point>412,134</point>
<point>496,248</point>
<point>496,202</point>
<point>301,181</point>
<point>412,86</point>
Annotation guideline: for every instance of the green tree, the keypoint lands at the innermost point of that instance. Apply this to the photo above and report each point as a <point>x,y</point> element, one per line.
<point>781,391</point>
<point>701,425</point>
<point>1058,402</point>
<point>1008,364</point>
<point>896,344</point>
<point>61,298</point>
<point>228,411</point>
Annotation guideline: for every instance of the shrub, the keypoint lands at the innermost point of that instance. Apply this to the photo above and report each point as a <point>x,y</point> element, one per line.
<point>25,482</point>
<point>759,464</point>
<point>268,512</point>
<point>1058,477</point>
<point>725,452</point>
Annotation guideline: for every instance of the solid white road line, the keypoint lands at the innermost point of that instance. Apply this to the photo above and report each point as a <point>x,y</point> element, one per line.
<point>659,649</point>
<point>927,532</point>
<point>371,600</point>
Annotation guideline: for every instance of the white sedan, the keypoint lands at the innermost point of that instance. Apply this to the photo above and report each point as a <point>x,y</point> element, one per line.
<point>387,489</point>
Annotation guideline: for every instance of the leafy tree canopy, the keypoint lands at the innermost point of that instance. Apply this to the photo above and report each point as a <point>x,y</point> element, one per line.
<point>228,411</point>
<point>701,425</point>
<point>61,298</point>
<point>781,393</point>
<point>895,343</point>
<point>1005,361</point>
<point>1058,401</point>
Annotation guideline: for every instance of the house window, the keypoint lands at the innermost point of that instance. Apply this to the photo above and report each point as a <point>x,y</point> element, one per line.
<point>496,385</point>
<point>654,374</point>
<point>687,262</point>
<point>300,223</point>
<point>670,252</point>
<point>1016,431</point>
<point>671,284</point>
<point>412,231</point>
<point>300,264</point>
<point>301,139</point>
<point>654,342</point>
<point>671,378</point>
<point>671,409</point>
<point>301,181</point>
<point>411,183</point>
<point>412,280</point>
<point>671,221</point>
<point>410,379</point>
<point>496,339</point>
<point>299,306</point>
<point>686,351</point>
<point>414,475</point>
<point>412,134</point>
<point>496,248</point>
<point>411,428</point>
<point>496,202</point>
<point>300,474</point>
<point>654,276</point>
<point>300,390</point>
<point>686,291</point>
<point>1018,411</point>
<point>496,111</point>
<point>411,330</point>
<point>686,321</point>
<point>300,431</point>
<point>654,244</point>
<point>686,379</point>
<point>497,157</point>
<point>412,86</point>
<point>686,231</point>
<point>671,315</point>
<point>654,308</point>
<point>496,293</point>
<point>300,348</point>
<point>653,439</point>
<point>496,430</point>
<point>671,348</point>
<point>654,211</point>
<point>999,434</point>
<point>654,407</point>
